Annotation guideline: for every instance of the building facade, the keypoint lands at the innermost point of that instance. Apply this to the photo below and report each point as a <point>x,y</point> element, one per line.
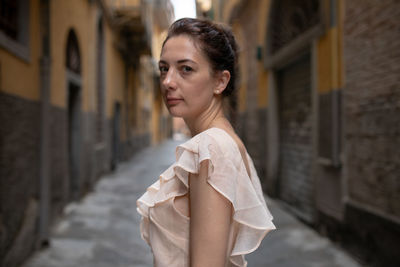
<point>76,97</point>
<point>318,109</point>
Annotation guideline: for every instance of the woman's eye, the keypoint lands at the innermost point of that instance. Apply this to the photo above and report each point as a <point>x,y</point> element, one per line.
<point>163,69</point>
<point>186,69</point>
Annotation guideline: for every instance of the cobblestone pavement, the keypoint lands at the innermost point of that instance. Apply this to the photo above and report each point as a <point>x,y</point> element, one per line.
<point>102,229</point>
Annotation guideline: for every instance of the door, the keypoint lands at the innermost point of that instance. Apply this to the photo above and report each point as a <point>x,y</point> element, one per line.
<point>116,134</point>
<point>295,185</point>
<point>74,140</point>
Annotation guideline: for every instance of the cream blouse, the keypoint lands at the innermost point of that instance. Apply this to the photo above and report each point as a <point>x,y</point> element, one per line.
<point>166,229</point>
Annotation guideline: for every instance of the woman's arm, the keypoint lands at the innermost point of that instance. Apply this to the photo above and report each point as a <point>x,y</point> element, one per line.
<point>210,219</point>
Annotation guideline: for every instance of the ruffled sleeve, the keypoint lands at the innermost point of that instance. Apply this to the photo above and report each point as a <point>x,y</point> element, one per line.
<point>227,175</point>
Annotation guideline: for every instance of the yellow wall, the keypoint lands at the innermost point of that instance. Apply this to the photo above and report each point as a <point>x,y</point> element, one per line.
<point>262,99</point>
<point>132,98</point>
<point>17,76</point>
<point>115,73</point>
<point>226,9</point>
<point>81,17</point>
<point>122,3</point>
<point>243,76</point>
<point>324,63</point>
<point>156,116</point>
<point>157,111</point>
<point>158,38</point>
<point>340,56</point>
<point>262,89</point>
<point>138,106</point>
<point>329,56</point>
<point>22,78</point>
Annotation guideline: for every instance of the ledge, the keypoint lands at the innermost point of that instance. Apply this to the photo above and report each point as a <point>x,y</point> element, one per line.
<point>14,47</point>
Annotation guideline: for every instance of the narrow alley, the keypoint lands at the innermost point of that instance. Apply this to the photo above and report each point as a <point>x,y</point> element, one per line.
<point>102,229</point>
<point>85,129</point>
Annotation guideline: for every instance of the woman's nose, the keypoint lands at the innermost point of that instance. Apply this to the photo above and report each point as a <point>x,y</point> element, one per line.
<point>169,81</point>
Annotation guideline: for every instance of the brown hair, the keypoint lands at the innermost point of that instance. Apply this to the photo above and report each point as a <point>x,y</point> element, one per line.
<point>216,42</point>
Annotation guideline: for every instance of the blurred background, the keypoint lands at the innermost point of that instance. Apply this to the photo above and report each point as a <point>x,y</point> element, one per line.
<point>317,106</point>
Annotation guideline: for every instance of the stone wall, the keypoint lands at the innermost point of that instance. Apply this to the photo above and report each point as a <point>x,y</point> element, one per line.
<point>19,177</point>
<point>19,171</point>
<point>93,162</point>
<point>59,185</point>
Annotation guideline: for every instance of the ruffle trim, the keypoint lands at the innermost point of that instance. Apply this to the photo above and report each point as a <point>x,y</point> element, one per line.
<point>228,177</point>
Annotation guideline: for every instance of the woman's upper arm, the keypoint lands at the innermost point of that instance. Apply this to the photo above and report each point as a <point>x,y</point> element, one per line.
<point>210,219</point>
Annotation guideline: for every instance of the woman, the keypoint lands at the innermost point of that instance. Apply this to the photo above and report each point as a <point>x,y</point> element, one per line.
<point>207,209</point>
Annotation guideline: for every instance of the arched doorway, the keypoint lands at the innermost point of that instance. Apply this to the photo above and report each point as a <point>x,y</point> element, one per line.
<point>73,82</point>
<point>292,27</point>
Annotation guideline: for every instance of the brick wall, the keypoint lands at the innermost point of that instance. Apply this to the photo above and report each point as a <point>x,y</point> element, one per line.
<point>372,103</point>
<point>371,106</point>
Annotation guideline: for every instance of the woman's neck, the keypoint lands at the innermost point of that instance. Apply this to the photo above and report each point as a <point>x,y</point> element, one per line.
<point>210,118</point>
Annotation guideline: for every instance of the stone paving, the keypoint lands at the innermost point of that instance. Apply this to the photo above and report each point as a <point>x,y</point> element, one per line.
<point>102,230</point>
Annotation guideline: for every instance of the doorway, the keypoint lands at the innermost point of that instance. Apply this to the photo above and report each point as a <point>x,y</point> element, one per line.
<point>116,136</point>
<point>74,139</point>
<point>295,185</point>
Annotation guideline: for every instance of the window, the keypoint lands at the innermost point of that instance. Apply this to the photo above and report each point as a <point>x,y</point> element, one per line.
<point>73,58</point>
<point>9,18</point>
<point>290,19</point>
<point>14,27</point>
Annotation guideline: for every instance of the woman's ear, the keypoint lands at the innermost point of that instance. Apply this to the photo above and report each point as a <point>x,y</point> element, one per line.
<point>222,81</point>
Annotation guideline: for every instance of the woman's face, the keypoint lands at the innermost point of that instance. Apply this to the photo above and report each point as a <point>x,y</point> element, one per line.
<point>187,83</point>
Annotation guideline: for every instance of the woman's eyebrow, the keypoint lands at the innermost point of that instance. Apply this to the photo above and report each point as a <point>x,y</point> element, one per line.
<point>185,60</point>
<point>179,61</point>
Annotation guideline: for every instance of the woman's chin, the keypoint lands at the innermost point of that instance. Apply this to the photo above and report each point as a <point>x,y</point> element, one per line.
<point>175,112</point>
<point>176,115</point>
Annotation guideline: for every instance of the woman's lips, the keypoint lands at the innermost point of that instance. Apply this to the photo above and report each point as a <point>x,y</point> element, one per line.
<point>173,101</point>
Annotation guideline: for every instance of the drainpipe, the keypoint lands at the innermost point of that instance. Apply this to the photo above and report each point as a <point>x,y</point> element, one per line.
<point>126,146</point>
<point>44,189</point>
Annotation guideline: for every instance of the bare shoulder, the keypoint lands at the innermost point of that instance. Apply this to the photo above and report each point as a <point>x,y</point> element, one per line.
<point>240,145</point>
<point>231,132</point>
<point>236,138</point>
